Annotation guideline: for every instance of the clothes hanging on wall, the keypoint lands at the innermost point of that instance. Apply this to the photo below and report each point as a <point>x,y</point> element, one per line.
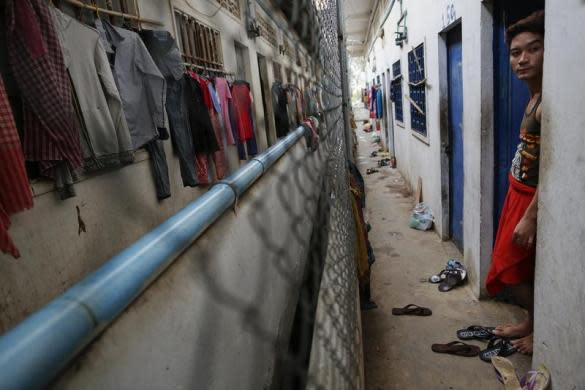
<point>143,91</point>
<point>373,104</point>
<point>225,96</point>
<point>221,165</point>
<point>15,193</point>
<point>51,130</point>
<point>105,136</point>
<point>141,85</point>
<point>166,55</point>
<point>280,100</point>
<point>291,107</point>
<point>379,104</point>
<point>242,98</point>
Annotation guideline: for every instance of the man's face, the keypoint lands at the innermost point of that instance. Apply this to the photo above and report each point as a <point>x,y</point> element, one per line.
<point>527,55</point>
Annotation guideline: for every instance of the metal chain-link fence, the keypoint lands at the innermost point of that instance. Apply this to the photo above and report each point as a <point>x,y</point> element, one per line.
<point>329,300</point>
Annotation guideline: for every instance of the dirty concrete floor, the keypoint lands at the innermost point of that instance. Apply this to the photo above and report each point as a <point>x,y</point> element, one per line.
<point>398,348</point>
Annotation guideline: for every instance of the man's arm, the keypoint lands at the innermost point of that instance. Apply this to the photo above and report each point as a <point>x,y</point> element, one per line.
<point>525,232</point>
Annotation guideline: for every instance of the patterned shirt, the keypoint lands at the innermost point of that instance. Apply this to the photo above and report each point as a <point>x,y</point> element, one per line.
<point>527,159</point>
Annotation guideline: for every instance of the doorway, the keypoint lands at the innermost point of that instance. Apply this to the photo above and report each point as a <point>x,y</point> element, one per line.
<point>510,97</point>
<point>389,114</point>
<point>456,167</point>
<point>266,103</point>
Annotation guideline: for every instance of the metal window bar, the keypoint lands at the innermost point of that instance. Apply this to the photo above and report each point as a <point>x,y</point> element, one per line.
<point>106,11</point>
<point>201,44</point>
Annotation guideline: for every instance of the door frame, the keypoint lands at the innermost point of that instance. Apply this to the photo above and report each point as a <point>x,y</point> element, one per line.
<point>444,128</point>
<point>450,150</point>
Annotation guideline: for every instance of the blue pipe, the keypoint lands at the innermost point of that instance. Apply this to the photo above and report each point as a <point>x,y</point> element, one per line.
<point>34,352</point>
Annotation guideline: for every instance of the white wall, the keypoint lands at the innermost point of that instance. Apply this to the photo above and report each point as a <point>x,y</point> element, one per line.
<point>119,206</point>
<point>560,266</point>
<point>427,21</point>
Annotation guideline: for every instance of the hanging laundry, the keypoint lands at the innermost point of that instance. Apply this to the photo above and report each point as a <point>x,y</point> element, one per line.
<point>105,136</point>
<point>167,57</point>
<point>373,103</point>
<point>221,166</point>
<point>280,101</point>
<point>224,94</point>
<point>234,122</point>
<point>143,91</point>
<point>204,138</point>
<point>242,98</point>
<point>291,107</point>
<point>141,84</point>
<point>15,194</point>
<point>379,104</point>
<point>51,130</point>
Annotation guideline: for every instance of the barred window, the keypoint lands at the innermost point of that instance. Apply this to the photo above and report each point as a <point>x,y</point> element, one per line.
<point>200,44</point>
<point>417,87</point>
<point>396,91</point>
<point>267,31</point>
<point>233,6</point>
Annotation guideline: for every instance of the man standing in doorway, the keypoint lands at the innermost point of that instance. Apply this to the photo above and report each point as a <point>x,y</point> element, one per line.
<point>514,251</point>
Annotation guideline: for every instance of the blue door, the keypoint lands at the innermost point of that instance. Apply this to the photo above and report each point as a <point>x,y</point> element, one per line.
<point>455,81</point>
<point>511,96</point>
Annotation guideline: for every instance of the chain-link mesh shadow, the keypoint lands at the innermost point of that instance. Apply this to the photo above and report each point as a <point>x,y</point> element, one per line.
<point>316,344</point>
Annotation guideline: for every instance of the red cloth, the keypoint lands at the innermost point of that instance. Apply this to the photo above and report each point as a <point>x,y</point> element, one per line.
<point>511,263</point>
<point>15,194</point>
<point>51,130</point>
<point>242,99</point>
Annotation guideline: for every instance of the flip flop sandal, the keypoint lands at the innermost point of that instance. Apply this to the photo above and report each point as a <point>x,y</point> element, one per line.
<point>369,171</point>
<point>497,347</point>
<point>412,310</point>
<point>438,278</point>
<point>536,379</point>
<point>456,348</point>
<point>453,279</point>
<point>476,332</point>
<point>506,373</point>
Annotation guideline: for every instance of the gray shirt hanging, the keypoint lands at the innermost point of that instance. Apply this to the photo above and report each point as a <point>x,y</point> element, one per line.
<point>141,84</point>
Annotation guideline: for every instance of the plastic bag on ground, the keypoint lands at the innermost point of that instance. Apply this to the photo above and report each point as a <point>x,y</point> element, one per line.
<point>422,217</point>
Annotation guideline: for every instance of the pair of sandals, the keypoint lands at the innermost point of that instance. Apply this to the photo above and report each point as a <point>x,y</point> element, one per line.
<point>496,346</point>
<point>538,379</point>
<point>452,276</point>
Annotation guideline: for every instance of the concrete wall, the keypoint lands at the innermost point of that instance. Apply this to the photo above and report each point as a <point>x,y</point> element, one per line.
<point>427,22</point>
<point>219,317</point>
<point>119,206</point>
<point>560,266</point>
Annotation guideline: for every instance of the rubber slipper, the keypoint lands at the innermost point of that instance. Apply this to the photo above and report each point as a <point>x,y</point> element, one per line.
<point>497,347</point>
<point>476,332</point>
<point>453,279</point>
<point>412,310</point>
<point>506,373</point>
<point>538,379</point>
<point>456,348</point>
<point>438,277</point>
<point>369,171</point>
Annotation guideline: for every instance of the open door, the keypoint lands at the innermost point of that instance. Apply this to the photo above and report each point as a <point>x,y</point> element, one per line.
<point>456,168</point>
<point>510,94</point>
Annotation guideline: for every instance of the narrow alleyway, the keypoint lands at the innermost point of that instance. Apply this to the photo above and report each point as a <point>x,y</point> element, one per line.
<point>398,349</point>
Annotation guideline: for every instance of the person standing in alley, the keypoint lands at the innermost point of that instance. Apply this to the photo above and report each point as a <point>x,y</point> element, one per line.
<point>513,258</point>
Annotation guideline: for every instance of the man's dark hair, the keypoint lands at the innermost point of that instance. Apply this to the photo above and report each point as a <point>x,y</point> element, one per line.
<point>533,23</point>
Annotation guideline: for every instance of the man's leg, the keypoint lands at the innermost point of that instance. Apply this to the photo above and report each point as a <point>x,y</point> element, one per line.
<point>524,295</point>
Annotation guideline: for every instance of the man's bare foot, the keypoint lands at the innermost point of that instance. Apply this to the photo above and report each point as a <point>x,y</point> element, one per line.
<point>524,345</point>
<point>518,330</point>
